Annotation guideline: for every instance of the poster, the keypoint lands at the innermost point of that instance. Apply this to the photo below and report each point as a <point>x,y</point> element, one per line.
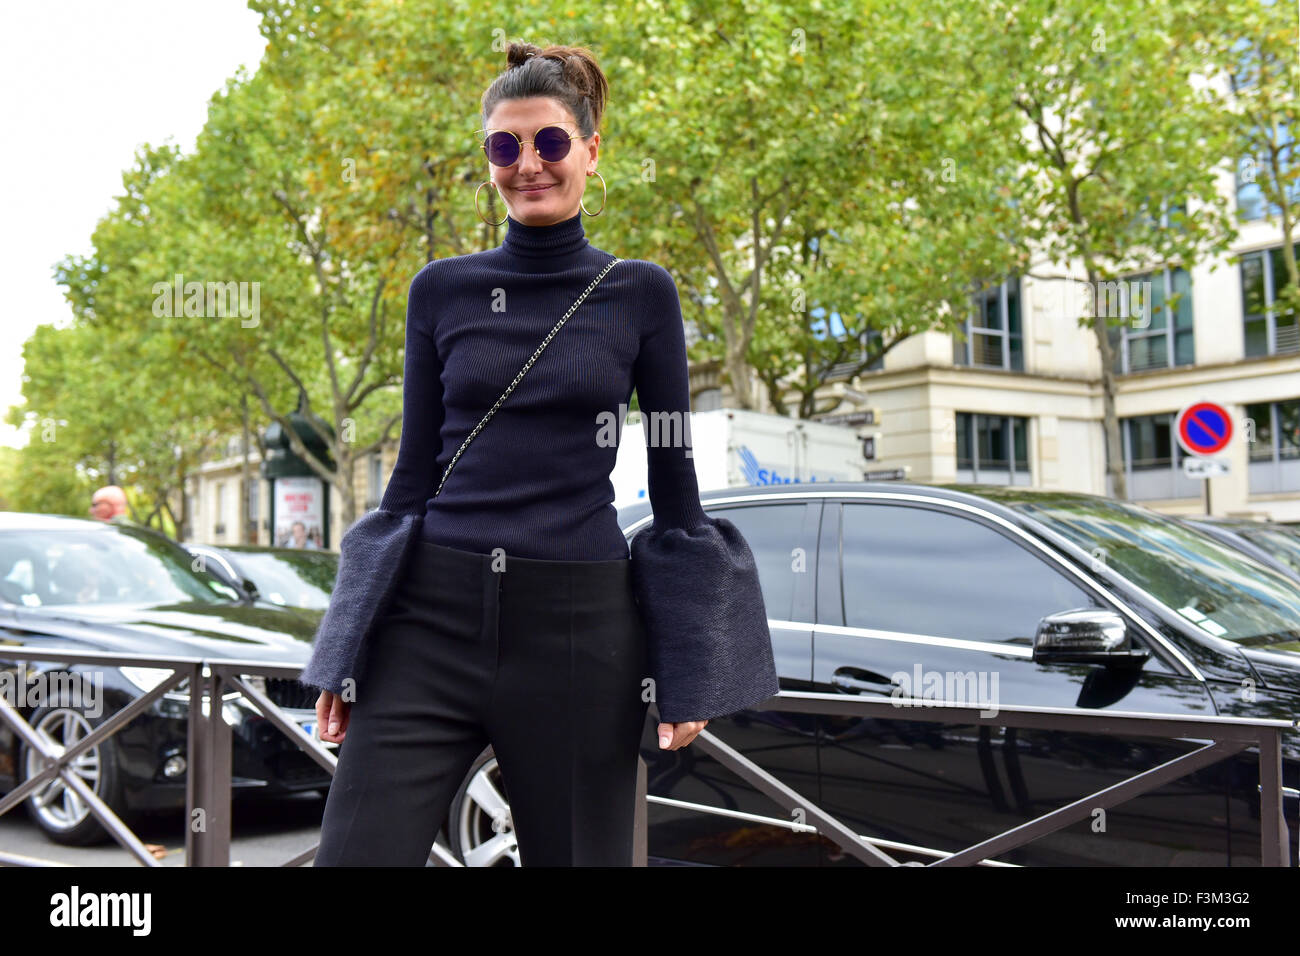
<point>299,513</point>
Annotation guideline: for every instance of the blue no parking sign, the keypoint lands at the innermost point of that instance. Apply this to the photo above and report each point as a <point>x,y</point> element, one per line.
<point>1204,428</point>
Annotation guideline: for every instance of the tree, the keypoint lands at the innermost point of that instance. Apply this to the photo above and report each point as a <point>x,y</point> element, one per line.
<point>802,184</point>
<point>1251,46</point>
<point>1117,170</point>
<point>117,402</point>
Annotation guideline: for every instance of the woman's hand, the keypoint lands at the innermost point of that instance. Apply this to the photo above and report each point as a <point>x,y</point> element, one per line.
<point>677,736</point>
<point>332,713</point>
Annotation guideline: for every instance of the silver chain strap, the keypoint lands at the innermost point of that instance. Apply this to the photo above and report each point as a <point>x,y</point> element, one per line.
<point>522,372</point>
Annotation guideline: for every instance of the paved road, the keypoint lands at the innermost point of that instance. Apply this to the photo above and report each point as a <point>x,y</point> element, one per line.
<point>263,833</point>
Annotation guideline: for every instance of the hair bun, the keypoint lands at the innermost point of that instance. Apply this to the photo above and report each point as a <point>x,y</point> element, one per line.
<point>576,80</point>
<point>517,54</point>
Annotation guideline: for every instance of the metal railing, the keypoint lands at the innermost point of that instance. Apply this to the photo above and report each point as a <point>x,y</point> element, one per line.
<point>1227,736</point>
<point>208,778</point>
<point>208,747</point>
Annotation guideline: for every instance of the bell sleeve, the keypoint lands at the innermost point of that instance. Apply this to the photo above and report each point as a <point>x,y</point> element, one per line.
<point>694,576</point>
<point>374,552</point>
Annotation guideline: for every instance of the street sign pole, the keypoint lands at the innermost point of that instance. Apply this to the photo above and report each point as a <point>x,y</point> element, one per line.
<point>1203,429</point>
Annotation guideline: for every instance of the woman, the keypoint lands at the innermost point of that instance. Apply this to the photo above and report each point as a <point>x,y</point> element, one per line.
<point>504,608</point>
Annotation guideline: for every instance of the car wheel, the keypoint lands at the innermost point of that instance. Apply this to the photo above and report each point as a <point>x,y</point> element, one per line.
<point>480,829</point>
<point>55,807</point>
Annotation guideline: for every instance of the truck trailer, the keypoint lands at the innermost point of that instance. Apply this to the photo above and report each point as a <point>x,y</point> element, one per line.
<point>737,448</point>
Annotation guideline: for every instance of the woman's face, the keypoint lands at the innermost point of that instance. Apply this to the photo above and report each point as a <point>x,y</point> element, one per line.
<point>565,180</point>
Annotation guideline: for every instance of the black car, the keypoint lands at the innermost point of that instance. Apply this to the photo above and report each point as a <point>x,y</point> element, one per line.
<point>1276,545</point>
<point>871,585</point>
<point>289,577</point>
<point>71,584</point>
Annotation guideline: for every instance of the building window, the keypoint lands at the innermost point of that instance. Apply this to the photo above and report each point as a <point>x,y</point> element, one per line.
<point>1153,459</point>
<point>219,526</point>
<point>991,335</point>
<point>375,481</point>
<point>831,325</point>
<point>1151,442</point>
<point>1275,448</point>
<point>992,449</point>
<point>707,400</point>
<point>1268,332</point>
<point>1167,339</point>
<point>1251,170</point>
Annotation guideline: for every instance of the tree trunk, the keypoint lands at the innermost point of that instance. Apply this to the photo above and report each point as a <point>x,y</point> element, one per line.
<point>738,372</point>
<point>245,524</point>
<point>176,525</point>
<point>183,524</point>
<point>346,485</point>
<point>1109,418</point>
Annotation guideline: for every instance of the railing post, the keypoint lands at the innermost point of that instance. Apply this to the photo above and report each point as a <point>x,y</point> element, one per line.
<point>207,782</point>
<point>640,824</point>
<point>1275,847</point>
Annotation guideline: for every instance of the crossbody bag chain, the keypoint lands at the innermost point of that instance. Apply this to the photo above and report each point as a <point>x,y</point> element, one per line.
<point>522,372</point>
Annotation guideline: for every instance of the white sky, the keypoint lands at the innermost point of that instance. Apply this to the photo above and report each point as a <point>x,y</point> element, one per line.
<point>84,83</point>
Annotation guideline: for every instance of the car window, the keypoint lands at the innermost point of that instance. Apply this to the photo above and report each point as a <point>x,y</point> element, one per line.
<point>1211,584</point>
<point>772,533</point>
<point>304,581</point>
<point>1282,545</point>
<point>123,566</point>
<point>921,571</point>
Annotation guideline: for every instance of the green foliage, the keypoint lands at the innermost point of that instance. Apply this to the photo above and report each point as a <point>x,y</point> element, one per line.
<point>815,175</point>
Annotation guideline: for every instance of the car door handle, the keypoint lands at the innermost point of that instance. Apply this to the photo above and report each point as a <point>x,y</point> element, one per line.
<point>857,679</point>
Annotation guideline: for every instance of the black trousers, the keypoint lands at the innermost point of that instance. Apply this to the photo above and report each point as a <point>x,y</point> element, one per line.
<point>544,660</point>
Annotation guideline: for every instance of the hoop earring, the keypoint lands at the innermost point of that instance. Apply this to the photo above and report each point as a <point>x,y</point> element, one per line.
<point>603,199</point>
<point>477,210</point>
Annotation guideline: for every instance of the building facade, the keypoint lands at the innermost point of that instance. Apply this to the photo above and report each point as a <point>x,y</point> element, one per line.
<point>215,492</point>
<point>1017,399</point>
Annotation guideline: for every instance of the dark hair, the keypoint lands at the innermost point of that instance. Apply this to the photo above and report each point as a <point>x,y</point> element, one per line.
<point>569,74</point>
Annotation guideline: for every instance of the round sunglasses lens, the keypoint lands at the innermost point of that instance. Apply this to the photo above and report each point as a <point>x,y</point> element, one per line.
<point>502,149</point>
<point>552,144</point>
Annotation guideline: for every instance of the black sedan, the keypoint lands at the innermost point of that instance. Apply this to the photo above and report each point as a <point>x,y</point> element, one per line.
<point>69,584</point>
<point>1276,545</point>
<point>874,588</point>
<point>289,577</point>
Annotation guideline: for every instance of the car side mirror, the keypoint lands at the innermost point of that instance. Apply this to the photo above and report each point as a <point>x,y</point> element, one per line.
<point>248,585</point>
<point>1086,636</point>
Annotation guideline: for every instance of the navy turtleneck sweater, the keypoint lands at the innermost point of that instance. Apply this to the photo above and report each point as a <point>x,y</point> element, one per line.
<point>535,480</point>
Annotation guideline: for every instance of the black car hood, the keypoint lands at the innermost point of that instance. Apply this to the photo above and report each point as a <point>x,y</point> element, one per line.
<point>262,632</point>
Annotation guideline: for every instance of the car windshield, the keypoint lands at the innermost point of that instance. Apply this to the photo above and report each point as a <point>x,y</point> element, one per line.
<point>118,566</point>
<point>1283,545</point>
<point>302,579</point>
<point>1215,587</point>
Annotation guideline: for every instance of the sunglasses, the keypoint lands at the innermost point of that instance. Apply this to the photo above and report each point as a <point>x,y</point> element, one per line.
<point>503,147</point>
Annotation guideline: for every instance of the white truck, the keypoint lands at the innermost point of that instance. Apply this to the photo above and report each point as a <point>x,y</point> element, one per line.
<point>735,448</point>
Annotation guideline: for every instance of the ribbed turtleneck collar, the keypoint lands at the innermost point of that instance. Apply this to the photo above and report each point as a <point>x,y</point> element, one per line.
<point>545,242</point>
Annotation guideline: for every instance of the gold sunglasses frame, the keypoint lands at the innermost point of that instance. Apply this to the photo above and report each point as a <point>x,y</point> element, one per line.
<point>492,129</point>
